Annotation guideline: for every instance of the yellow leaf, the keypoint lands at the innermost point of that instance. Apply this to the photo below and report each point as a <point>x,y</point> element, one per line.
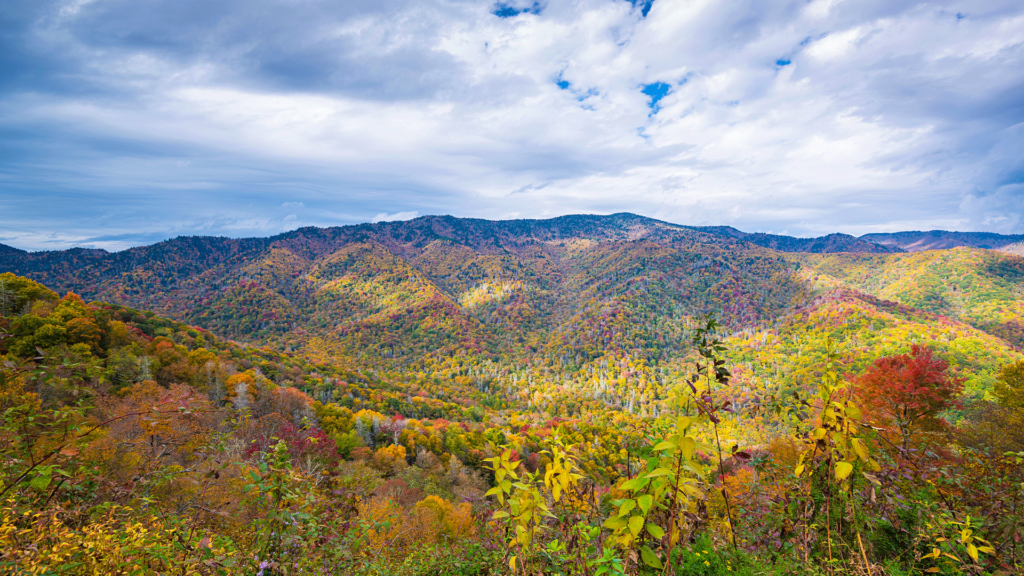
<point>799,470</point>
<point>687,447</point>
<point>682,423</point>
<point>512,563</point>
<point>843,470</point>
<point>860,448</point>
<point>972,551</point>
<point>636,523</point>
<point>853,413</point>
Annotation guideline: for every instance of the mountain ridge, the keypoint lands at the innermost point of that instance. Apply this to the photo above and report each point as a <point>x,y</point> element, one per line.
<point>629,227</point>
<point>390,292</point>
<point>917,241</point>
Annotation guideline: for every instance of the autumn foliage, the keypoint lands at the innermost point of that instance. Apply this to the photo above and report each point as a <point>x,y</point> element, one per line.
<point>909,390</point>
<point>354,427</point>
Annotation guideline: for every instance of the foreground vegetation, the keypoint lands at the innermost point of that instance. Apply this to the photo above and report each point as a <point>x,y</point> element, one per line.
<point>132,444</point>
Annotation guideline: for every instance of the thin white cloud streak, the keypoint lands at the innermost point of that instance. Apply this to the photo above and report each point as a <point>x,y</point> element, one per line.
<point>396,217</point>
<point>888,116</point>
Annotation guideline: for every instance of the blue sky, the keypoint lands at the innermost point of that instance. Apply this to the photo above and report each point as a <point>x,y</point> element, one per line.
<point>124,123</point>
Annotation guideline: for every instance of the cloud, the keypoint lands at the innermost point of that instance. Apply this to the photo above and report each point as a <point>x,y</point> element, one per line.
<point>197,117</point>
<point>397,216</point>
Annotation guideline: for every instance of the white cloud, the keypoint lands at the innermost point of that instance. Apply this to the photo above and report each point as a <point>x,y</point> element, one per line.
<point>397,216</point>
<point>836,45</point>
<point>807,117</point>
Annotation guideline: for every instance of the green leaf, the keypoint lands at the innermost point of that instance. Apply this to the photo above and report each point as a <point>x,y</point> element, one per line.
<point>843,470</point>
<point>41,482</point>
<point>853,413</point>
<point>615,523</point>
<point>645,503</point>
<point>650,558</point>
<point>659,472</point>
<point>655,531</point>
<point>627,505</point>
<point>499,514</point>
<point>665,446</point>
<point>630,484</point>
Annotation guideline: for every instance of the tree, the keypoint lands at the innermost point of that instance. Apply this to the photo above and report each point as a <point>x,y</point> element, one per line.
<point>909,389</point>
<point>1009,387</point>
<point>1000,425</point>
<point>17,291</point>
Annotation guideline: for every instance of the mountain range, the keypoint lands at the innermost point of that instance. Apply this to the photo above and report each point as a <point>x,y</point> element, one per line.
<point>580,295</point>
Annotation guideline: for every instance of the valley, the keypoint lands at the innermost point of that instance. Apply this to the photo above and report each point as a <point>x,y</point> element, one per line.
<point>415,351</point>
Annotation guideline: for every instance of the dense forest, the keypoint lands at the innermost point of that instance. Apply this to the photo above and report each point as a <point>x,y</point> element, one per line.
<point>581,396</point>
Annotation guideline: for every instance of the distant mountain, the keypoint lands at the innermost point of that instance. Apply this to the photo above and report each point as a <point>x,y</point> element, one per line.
<point>602,306</point>
<point>391,292</point>
<point>571,289</point>
<point>942,240</point>
<point>821,245</point>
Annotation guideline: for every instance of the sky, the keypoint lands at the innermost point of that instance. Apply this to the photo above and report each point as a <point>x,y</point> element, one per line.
<point>123,123</point>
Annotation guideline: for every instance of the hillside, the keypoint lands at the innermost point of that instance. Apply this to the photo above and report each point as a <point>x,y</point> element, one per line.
<point>602,306</point>
<point>388,295</point>
<point>352,401</point>
<point>340,283</point>
<point>980,287</point>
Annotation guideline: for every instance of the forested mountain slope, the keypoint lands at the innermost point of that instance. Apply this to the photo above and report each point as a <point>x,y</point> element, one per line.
<point>568,290</point>
<point>340,401</point>
<point>340,283</point>
<point>981,287</point>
